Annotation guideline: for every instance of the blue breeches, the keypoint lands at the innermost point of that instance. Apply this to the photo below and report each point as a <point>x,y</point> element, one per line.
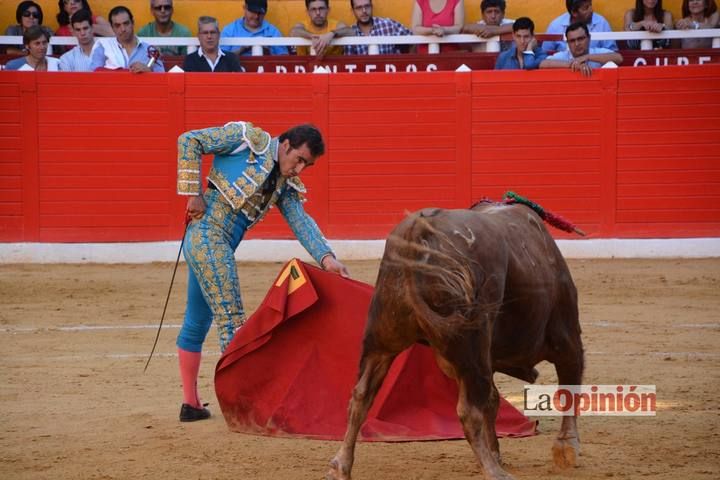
<point>213,284</point>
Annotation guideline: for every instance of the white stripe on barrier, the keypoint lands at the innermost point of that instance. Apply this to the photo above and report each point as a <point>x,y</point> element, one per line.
<point>674,325</point>
<point>283,250</point>
<point>84,328</point>
<point>658,354</point>
<point>132,356</point>
<point>81,328</point>
<point>121,356</point>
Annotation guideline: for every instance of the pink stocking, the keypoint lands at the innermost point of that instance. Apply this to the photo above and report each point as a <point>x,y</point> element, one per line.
<point>189,369</point>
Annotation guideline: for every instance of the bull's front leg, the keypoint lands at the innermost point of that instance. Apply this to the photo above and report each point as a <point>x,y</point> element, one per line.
<point>489,418</point>
<point>373,369</point>
<point>566,447</point>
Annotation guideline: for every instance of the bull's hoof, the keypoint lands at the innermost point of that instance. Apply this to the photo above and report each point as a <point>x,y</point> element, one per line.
<point>337,472</point>
<point>499,475</point>
<point>565,452</point>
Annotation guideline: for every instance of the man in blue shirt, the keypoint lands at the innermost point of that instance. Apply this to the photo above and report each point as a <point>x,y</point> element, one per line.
<point>125,50</point>
<point>579,11</point>
<point>525,54</point>
<point>580,57</point>
<point>252,24</point>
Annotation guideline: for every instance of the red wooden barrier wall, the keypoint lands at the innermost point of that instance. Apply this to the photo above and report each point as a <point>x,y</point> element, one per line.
<point>626,153</point>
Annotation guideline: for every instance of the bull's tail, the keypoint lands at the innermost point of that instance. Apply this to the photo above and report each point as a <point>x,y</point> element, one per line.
<point>441,280</point>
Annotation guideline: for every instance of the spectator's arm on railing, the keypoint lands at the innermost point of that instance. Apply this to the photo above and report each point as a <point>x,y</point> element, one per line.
<point>298,30</point>
<point>601,58</point>
<point>486,31</point>
<point>554,63</point>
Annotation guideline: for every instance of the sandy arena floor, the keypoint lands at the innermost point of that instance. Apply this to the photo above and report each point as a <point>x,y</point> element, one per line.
<point>77,404</point>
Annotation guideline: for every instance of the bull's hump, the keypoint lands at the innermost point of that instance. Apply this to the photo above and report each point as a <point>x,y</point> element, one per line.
<point>429,212</point>
<point>493,209</point>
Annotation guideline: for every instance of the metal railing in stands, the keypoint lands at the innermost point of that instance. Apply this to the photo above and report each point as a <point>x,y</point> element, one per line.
<point>493,43</point>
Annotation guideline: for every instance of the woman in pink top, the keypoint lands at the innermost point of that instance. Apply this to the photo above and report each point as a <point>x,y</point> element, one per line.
<point>439,18</point>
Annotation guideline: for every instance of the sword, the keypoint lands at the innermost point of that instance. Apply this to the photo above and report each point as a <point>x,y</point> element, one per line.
<point>167,299</point>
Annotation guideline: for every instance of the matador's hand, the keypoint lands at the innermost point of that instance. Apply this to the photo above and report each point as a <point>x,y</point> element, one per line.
<point>331,264</point>
<point>196,207</point>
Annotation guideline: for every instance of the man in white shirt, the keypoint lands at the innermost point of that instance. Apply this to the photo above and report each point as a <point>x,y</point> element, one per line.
<point>125,51</point>
<point>79,58</point>
<point>35,40</point>
<point>209,57</point>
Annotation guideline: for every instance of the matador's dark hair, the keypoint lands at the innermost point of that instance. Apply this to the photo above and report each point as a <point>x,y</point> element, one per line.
<point>305,134</point>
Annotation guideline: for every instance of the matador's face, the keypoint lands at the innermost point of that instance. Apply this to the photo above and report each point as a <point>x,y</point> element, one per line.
<point>292,161</point>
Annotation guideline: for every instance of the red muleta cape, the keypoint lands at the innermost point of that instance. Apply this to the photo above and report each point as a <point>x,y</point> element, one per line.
<point>291,368</point>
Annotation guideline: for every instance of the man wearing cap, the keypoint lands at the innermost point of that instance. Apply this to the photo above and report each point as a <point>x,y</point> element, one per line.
<point>252,24</point>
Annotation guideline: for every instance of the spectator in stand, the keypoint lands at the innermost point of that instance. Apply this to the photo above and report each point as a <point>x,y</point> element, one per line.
<point>698,14</point>
<point>319,29</point>
<point>163,26</point>
<point>79,58</point>
<point>252,24</point>
<point>35,40</point>
<point>66,8</point>
<point>369,26</point>
<point>439,18</point>
<point>125,50</point>
<point>525,54</point>
<point>209,57</point>
<point>492,24</point>
<point>580,56</point>
<point>28,14</point>
<point>579,11</point>
<point>650,16</point>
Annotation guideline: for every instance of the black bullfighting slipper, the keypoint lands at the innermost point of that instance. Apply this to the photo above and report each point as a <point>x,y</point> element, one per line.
<point>188,413</point>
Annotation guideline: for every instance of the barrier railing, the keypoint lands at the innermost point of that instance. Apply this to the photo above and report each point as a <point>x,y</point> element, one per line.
<point>93,158</point>
<point>373,43</point>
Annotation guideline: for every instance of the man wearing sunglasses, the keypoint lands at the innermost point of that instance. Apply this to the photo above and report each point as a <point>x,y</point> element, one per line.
<point>163,26</point>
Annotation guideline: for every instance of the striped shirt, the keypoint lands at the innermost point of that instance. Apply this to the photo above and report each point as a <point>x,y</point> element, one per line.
<point>76,61</point>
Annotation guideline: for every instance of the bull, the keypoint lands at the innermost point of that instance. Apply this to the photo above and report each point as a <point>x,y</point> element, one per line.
<point>489,291</point>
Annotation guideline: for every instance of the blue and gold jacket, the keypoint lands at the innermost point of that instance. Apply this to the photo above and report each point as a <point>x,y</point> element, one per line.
<point>244,158</point>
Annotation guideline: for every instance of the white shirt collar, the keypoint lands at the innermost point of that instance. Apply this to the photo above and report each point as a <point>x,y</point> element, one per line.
<point>202,54</point>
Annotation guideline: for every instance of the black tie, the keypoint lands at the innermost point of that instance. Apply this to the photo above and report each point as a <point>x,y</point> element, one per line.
<point>271,181</point>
